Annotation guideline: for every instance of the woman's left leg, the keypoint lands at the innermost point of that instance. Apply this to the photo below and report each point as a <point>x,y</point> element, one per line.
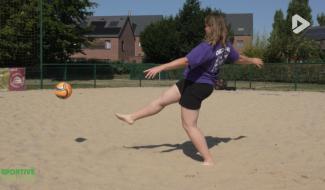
<point>170,96</point>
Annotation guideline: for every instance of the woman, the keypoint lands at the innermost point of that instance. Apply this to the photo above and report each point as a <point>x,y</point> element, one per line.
<point>202,68</point>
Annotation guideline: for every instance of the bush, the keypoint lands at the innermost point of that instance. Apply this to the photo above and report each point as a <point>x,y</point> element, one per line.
<point>276,72</point>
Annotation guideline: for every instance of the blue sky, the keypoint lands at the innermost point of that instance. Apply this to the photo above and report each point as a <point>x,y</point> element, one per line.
<point>263,10</point>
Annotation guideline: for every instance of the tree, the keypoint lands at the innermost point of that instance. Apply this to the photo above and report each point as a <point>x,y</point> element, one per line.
<point>190,25</point>
<point>275,51</point>
<point>298,47</point>
<point>259,47</point>
<point>160,41</point>
<point>18,30</point>
<point>63,34</point>
<point>321,19</point>
<point>175,37</point>
<point>285,45</point>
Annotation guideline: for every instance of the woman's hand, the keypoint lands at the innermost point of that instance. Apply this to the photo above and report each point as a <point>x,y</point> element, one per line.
<point>176,64</point>
<point>152,72</point>
<point>247,60</point>
<point>258,62</point>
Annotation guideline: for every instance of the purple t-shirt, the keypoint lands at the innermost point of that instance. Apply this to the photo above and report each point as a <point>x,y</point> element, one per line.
<point>204,62</point>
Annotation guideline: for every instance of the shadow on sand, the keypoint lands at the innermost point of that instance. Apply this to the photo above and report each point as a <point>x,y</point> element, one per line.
<point>187,147</point>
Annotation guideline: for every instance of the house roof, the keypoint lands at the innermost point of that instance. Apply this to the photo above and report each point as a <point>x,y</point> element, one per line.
<point>111,26</point>
<point>140,22</point>
<point>241,24</point>
<point>106,26</point>
<point>316,33</point>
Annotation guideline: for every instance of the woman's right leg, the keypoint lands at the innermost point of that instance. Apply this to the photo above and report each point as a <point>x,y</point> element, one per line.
<point>189,122</point>
<point>171,95</point>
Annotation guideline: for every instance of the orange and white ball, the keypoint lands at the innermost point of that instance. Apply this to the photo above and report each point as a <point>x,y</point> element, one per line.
<point>63,90</point>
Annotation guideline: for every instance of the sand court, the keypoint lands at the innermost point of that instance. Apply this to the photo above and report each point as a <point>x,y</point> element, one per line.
<point>260,140</point>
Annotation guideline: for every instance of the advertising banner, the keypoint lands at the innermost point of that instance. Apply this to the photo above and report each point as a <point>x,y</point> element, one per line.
<point>17,79</point>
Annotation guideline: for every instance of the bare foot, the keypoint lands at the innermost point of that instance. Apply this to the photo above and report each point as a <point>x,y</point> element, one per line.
<point>208,163</point>
<point>125,118</point>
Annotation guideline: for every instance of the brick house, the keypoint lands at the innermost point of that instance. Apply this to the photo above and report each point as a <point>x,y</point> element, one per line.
<point>113,39</point>
<point>139,23</point>
<point>242,27</point>
<point>118,37</point>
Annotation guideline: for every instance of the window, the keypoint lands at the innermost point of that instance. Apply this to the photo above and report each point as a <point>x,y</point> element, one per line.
<point>240,43</point>
<point>122,46</point>
<point>139,44</point>
<point>108,44</point>
<point>240,29</point>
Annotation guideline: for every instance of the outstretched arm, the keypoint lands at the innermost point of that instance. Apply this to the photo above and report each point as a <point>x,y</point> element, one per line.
<point>177,63</point>
<point>248,60</point>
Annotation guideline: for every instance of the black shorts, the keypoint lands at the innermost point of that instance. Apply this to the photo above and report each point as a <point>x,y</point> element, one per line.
<point>192,94</point>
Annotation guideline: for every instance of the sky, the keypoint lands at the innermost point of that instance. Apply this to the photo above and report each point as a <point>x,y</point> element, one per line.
<point>263,10</point>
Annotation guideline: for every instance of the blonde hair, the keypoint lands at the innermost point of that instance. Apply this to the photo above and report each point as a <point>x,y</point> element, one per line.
<point>219,29</point>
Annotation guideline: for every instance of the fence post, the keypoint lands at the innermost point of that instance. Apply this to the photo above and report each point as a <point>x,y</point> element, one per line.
<point>249,76</point>
<point>295,75</point>
<point>95,74</point>
<point>65,72</point>
<point>40,6</point>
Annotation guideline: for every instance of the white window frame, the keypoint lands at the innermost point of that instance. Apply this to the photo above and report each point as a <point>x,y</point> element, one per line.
<point>108,44</point>
<point>240,43</point>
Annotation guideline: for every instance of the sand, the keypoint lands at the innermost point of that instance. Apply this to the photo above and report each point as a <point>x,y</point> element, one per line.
<point>261,140</point>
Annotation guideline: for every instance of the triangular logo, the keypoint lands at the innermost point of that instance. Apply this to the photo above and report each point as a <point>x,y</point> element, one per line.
<point>298,19</point>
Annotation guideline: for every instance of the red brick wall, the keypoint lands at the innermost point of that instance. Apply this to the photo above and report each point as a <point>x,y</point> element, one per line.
<point>138,49</point>
<point>128,39</point>
<point>139,54</point>
<point>97,50</point>
<point>241,42</point>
